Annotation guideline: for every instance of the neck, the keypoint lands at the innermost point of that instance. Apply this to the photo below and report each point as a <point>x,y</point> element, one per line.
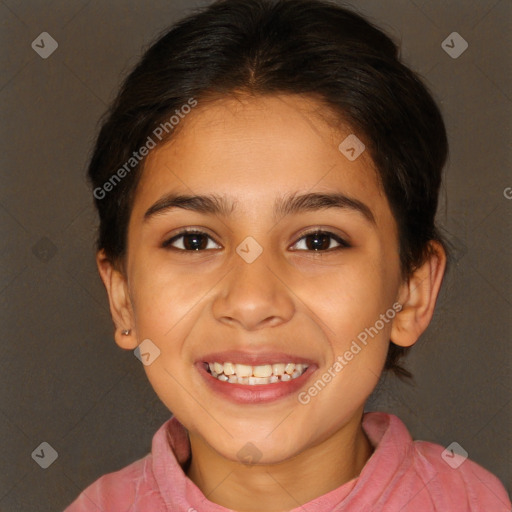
<point>282,486</point>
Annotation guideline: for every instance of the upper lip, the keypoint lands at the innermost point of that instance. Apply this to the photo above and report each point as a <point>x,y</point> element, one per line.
<point>252,358</point>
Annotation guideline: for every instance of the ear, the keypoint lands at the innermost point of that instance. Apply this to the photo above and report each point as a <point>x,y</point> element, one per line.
<point>418,298</point>
<point>119,299</point>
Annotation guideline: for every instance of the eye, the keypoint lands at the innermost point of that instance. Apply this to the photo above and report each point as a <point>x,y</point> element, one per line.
<point>196,240</point>
<point>191,240</point>
<point>320,241</point>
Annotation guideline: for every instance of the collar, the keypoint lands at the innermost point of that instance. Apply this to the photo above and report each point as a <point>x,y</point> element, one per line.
<point>387,434</point>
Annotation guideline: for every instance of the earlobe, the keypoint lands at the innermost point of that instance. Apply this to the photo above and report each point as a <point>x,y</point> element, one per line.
<point>119,300</point>
<point>418,297</point>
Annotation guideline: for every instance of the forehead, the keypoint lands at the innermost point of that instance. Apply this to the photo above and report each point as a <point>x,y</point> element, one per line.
<point>256,148</point>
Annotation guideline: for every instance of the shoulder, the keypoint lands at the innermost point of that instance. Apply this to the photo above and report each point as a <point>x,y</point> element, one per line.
<point>455,475</point>
<point>420,475</point>
<point>118,490</point>
<point>136,486</point>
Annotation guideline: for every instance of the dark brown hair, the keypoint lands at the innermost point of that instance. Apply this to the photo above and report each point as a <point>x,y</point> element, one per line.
<point>310,47</point>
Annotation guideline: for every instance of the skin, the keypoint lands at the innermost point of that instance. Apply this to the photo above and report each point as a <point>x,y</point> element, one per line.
<point>291,298</point>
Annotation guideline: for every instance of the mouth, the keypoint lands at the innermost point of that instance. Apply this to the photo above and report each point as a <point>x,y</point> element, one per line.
<point>254,378</point>
<point>258,375</point>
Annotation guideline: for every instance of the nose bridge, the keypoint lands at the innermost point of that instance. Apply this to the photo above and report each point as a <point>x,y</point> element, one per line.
<point>253,294</point>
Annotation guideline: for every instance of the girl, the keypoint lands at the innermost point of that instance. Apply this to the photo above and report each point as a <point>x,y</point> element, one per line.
<point>267,182</point>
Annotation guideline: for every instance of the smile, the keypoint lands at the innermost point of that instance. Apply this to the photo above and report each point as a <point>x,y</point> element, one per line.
<point>235,373</point>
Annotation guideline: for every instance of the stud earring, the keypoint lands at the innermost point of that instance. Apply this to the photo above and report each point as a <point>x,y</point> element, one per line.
<point>126,332</point>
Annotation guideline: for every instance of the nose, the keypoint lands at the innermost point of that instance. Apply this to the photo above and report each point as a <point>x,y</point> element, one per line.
<point>254,296</point>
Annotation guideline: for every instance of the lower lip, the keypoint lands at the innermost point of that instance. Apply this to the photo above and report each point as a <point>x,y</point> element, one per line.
<point>256,394</point>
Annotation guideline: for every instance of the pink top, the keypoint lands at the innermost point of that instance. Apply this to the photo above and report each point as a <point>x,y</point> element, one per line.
<point>401,475</point>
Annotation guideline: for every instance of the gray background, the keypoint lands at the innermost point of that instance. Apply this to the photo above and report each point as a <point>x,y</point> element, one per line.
<point>64,381</point>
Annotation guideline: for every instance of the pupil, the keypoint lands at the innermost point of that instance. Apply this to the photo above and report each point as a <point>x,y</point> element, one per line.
<point>319,241</point>
<point>195,240</point>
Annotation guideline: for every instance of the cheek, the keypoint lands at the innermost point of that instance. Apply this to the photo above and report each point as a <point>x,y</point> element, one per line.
<point>350,296</point>
<point>163,297</point>
<point>357,310</point>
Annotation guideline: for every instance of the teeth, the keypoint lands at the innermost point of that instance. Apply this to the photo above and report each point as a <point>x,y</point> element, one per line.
<point>262,371</point>
<point>229,369</point>
<point>258,380</point>
<point>243,370</point>
<point>256,375</point>
<point>289,368</point>
<point>278,369</point>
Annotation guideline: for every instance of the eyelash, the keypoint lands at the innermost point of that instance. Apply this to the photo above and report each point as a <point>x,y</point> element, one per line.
<point>181,234</point>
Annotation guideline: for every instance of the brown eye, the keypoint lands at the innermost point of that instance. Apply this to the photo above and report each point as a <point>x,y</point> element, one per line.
<point>321,241</point>
<point>190,241</point>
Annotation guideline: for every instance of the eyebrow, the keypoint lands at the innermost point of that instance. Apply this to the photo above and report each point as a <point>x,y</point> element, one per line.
<point>213,204</point>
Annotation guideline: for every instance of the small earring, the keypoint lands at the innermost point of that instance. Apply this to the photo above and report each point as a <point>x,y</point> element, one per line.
<point>126,332</point>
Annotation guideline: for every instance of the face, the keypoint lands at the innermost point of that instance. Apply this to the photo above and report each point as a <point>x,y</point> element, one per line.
<point>265,278</point>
